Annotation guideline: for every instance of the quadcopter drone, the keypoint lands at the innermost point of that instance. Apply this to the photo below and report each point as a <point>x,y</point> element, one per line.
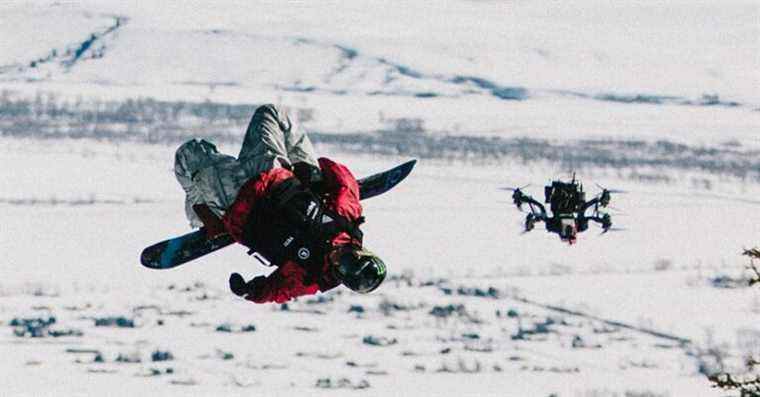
<point>568,206</point>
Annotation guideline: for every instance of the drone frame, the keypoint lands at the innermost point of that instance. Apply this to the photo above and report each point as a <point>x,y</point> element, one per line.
<point>538,211</point>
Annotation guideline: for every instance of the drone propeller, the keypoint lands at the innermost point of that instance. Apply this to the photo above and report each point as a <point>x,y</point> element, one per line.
<point>612,229</point>
<point>517,195</point>
<point>616,211</point>
<point>605,196</point>
<point>523,230</point>
<point>616,191</point>
<point>609,210</point>
<point>512,189</point>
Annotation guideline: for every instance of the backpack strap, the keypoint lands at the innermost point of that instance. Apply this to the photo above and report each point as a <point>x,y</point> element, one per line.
<point>326,224</point>
<point>333,224</point>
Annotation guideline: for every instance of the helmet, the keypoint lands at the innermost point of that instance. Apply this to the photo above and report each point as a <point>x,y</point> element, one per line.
<point>358,269</point>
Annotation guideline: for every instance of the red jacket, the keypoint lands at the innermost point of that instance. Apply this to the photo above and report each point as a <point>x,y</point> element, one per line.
<point>290,279</point>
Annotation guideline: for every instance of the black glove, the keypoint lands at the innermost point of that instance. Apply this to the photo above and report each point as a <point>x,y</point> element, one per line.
<point>238,285</point>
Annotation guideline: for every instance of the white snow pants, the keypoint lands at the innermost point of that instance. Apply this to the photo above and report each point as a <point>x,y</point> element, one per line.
<point>213,178</point>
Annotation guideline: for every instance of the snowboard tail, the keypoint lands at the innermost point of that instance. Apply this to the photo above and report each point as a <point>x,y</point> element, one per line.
<point>176,251</point>
<point>377,184</point>
<point>187,247</point>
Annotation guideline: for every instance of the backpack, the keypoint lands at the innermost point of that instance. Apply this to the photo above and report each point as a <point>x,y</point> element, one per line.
<point>297,226</point>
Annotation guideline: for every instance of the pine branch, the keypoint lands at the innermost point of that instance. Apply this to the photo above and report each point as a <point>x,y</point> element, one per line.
<point>747,387</point>
<point>726,381</point>
<point>753,253</point>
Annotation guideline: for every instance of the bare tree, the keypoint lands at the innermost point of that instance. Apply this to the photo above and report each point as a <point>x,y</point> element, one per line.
<point>747,386</point>
<point>753,254</point>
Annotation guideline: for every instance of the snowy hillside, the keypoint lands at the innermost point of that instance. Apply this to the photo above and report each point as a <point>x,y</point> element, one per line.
<point>460,66</point>
<point>656,98</point>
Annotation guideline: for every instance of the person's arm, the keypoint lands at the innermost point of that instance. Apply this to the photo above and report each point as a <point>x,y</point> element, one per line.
<point>280,286</point>
<point>236,217</point>
<point>341,188</point>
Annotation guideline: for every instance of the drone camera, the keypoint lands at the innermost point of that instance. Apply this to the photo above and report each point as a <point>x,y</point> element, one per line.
<point>530,222</point>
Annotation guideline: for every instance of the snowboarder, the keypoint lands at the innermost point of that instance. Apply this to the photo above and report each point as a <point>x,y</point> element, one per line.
<point>292,211</point>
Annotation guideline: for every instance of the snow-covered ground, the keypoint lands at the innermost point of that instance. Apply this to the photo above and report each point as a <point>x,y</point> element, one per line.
<point>473,307</point>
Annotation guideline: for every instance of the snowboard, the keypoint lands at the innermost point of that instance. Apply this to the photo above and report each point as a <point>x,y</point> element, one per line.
<point>182,249</point>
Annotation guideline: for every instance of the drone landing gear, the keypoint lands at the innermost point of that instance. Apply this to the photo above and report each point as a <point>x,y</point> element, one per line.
<point>605,221</point>
<point>530,222</point>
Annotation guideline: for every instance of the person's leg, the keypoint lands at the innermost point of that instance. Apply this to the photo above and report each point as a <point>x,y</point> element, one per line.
<point>297,142</point>
<point>272,134</point>
<point>190,158</point>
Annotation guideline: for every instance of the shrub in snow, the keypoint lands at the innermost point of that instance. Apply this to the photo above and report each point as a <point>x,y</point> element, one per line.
<point>131,358</point>
<point>490,292</point>
<point>538,328</point>
<point>479,346</point>
<point>387,307</point>
<point>402,126</point>
<point>379,341</point>
<point>446,311</point>
<point>712,358</point>
<point>461,367</point>
<point>226,327</point>
<point>511,313</point>
<point>305,329</point>
<point>341,383</point>
<point>158,372</point>
<point>321,299</point>
<point>55,333</point>
<point>728,282</point>
<point>159,355</point>
<point>39,327</point>
<point>224,355</point>
<point>113,321</point>
<point>663,265</point>
<point>406,278</point>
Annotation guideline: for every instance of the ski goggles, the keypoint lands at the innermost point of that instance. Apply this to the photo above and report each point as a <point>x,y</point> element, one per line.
<point>359,269</point>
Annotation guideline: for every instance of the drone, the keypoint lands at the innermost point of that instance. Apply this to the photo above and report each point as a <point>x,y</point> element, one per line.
<point>569,208</point>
